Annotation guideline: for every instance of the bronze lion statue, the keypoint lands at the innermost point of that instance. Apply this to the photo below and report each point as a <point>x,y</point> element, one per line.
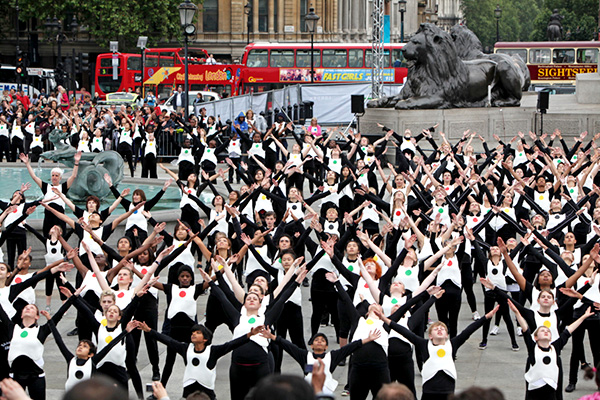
<point>438,78</point>
<point>511,69</point>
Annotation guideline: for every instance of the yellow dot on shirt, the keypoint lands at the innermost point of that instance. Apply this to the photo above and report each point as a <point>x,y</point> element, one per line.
<point>104,322</point>
<point>441,353</point>
<point>370,321</point>
<point>108,339</point>
<point>376,258</point>
<point>541,197</point>
<point>547,324</point>
<point>263,197</point>
<point>506,210</point>
<point>220,267</point>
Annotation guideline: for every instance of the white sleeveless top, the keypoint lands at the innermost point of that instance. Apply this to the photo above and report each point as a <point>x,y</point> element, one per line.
<point>440,359</point>
<point>25,343</point>
<point>196,369</point>
<point>78,373</point>
<point>544,371</point>
<point>118,353</point>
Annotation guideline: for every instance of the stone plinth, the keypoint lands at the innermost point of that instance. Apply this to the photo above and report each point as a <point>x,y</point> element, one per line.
<point>588,88</point>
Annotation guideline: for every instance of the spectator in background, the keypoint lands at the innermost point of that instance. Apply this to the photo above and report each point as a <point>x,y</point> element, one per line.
<point>197,103</point>
<point>150,99</point>
<point>211,60</point>
<point>179,101</point>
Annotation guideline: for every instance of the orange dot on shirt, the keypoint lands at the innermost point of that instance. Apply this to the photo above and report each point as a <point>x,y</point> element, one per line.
<point>144,271</point>
<point>121,295</point>
<point>18,280</point>
<point>182,293</point>
<point>450,263</point>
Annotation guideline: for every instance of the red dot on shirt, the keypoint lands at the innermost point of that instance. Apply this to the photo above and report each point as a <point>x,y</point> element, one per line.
<point>450,262</point>
<point>366,286</point>
<point>447,187</point>
<point>18,280</point>
<point>398,213</point>
<point>144,271</point>
<point>586,282</point>
<point>189,191</point>
<point>475,220</point>
<point>15,211</point>
<point>120,295</point>
<point>182,294</point>
<point>233,144</point>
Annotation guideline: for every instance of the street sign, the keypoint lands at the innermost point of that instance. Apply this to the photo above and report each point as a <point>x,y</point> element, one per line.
<point>115,65</point>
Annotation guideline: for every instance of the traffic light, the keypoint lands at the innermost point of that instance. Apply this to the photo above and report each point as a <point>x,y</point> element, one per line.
<point>85,62</point>
<point>20,70</point>
<point>77,62</point>
<point>59,74</point>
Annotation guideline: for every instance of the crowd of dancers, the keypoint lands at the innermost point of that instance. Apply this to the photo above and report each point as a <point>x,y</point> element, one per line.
<point>379,244</point>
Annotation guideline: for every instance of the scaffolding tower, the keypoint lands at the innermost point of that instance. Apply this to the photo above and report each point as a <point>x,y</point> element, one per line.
<point>377,54</point>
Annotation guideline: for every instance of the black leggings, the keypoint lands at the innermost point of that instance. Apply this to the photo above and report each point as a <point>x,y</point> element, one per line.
<point>16,148</point>
<point>131,364</point>
<point>149,166</point>
<point>191,217</point>
<point>16,243</point>
<point>116,372</point>
<point>5,148</point>
<point>242,378</point>
<point>401,365</point>
<point>592,326</point>
<point>546,392</point>
<point>290,321</point>
<point>489,301</point>
<point>321,302</point>
<point>448,307</point>
<point>181,331</point>
<point>196,387</point>
<point>215,316</point>
<point>466,278</point>
<point>367,378</point>
<point>147,311</point>
<point>126,152</point>
<point>36,386</point>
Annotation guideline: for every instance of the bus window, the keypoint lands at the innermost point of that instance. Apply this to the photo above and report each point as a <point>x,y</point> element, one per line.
<point>134,64</point>
<point>303,58</point>
<point>587,56</point>
<point>334,58</point>
<point>167,60</point>
<point>511,52</point>
<point>539,56</point>
<point>107,62</point>
<point>369,59</point>
<point>282,58</point>
<point>398,60</point>
<point>258,59</point>
<point>151,62</point>
<point>355,58</point>
<point>563,56</point>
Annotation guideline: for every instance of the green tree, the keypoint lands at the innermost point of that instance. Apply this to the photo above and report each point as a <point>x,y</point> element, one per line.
<point>580,19</point>
<point>108,20</point>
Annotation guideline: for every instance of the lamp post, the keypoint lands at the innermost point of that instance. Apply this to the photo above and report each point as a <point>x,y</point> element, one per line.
<point>141,44</point>
<point>56,27</point>
<point>498,15</point>
<point>402,8</point>
<point>248,12</point>
<point>187,11</point>
<point>311,23</point>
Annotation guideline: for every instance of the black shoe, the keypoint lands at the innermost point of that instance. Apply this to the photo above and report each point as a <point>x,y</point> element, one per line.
<point>585,365</point>
<point>151,397</point>
<point>570,387</point>
<point>74,332</point>
<point>155,376</point>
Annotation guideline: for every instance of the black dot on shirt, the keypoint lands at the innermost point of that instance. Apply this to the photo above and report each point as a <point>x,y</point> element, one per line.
<point>53,251</point>
<point>195,362</point>
<point>79,374</point>
<point>546,360</point>
<point>495,271</point>
<point>557,217</point>
<point>294,207</point>
<point>330,226</point>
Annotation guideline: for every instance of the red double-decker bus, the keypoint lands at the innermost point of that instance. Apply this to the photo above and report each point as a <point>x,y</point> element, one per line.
<point>273,65</point>
<point>554,63</point>
<point>163,72</point>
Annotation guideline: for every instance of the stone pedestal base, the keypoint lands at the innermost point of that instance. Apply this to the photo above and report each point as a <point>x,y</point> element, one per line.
<point>588,88</point>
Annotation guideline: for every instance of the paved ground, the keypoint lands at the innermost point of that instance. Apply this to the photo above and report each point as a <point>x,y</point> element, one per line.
<point>497,366</point>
